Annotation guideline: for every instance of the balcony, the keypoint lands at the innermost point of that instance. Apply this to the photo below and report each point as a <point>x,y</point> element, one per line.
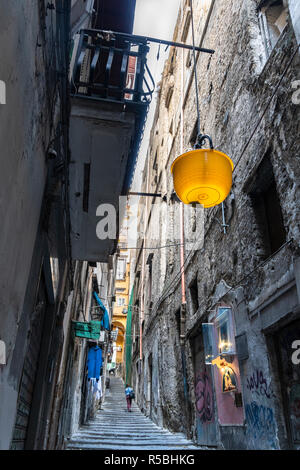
<point>111,88</point>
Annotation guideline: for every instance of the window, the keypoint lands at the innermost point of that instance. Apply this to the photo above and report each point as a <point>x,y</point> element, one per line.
<point>114,334</point>
<point>209,342</point>
<point>186,24</point>
<point>169,95</point>
<point>133,334</point>
<point>120,301</point>
<point>159,178</point>
<point>121,269</point>
<point>188,62</point>
<point>266,205</point>
<point>149,263</point>
<point>225,335</point>
<point>178,323</point>
<point>272,21</point>
<point>155,162</point>
<point>95,284</point>
<point>172,62</point>
<point>194,295</point>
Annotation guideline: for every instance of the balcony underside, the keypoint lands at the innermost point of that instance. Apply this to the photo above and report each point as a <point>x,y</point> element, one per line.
<point>103,138</point>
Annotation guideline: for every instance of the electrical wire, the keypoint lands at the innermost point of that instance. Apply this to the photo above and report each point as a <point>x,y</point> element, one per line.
<point>214,210</point>
<point>260,265</point>
<point>239,282</point>
<point>176,278</point>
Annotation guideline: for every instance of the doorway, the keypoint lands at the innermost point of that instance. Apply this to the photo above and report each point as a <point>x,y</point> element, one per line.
<point>204,395</point>
<point>30,366</point>
<point>289,378</point>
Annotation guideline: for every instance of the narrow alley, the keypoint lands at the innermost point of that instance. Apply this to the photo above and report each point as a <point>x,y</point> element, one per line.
<point>150,226</point>
<point>117,429</point>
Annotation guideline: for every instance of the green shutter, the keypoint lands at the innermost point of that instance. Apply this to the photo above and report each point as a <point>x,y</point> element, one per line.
<point>128,340</point>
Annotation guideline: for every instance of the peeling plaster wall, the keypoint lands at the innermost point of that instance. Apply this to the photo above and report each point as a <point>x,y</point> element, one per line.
<point>235,85</point>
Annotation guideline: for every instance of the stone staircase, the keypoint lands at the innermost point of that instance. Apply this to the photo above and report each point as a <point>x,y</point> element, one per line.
<point>114,428</point>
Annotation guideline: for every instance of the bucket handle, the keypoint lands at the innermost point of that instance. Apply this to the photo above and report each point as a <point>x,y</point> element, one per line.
<point>200,139</point>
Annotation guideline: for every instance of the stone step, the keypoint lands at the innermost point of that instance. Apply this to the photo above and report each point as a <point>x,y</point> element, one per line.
<point>115,446</point>
<point>114,428</point>
<point>87,436</point>
<point>145,436</point>
<point>125,429</point>
<point>125,424</point>
<point>128,429</point>
<point>127,432</point>
<point>124,440</point>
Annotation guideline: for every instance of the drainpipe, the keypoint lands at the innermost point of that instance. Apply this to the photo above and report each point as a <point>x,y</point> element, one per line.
<point>142,309</point>
<point>183,297</point>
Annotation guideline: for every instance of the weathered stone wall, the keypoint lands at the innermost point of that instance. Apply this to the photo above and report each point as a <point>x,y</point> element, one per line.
<point>235,86</point>
<point>24,136</point>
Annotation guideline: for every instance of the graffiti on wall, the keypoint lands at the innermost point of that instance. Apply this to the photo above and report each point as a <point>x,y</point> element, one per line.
<point>295,411</point>
<point>258,384</point>
<point>261,426</point>
<point>204,398</point>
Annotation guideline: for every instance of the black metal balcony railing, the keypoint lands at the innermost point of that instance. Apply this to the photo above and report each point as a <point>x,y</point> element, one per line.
<point>112,66</point>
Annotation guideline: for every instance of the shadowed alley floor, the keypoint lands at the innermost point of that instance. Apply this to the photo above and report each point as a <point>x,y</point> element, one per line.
<point>114,428</point>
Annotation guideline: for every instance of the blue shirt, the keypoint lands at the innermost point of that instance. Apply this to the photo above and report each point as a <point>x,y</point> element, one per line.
<point>128,391</point>
<point>94,362</point>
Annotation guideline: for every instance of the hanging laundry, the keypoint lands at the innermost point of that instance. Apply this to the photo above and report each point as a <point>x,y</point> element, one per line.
<point>94,362</point>
<point>99,389</point>
<point>105,319</point>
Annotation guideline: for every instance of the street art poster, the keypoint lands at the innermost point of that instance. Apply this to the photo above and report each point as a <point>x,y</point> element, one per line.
<point>229,381</point>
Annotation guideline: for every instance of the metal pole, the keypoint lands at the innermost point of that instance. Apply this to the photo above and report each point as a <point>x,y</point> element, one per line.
<point>144,194</point>
<point>150,39</point>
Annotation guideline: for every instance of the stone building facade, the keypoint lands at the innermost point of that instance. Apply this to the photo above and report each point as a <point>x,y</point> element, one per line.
<point>242,272</point>
<point>34,247</point>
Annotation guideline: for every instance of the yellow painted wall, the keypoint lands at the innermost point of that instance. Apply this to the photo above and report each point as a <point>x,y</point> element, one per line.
<point>119,318</point>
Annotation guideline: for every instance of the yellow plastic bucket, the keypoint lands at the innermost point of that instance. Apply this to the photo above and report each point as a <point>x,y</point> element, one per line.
<point>203,176</point>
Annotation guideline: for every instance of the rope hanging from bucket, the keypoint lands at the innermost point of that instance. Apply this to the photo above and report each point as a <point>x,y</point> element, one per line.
<point>201,176</point>
<point>200,137</point>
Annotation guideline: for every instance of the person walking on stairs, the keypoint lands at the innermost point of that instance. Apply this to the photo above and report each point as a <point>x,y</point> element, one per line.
<point>129,393</point>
